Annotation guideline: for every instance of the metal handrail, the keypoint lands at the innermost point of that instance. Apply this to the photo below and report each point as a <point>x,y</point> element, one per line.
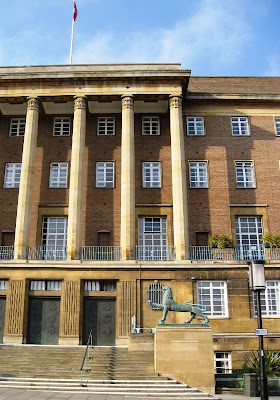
<point>86,356</point>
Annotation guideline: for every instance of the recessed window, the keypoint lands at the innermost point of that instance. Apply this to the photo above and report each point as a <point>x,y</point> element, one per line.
<point>3,284</point>
<point>195,126</point>
<point>222,362</point>
<point>17,127</point>
<point>240,126</point>
<point>105,174</point>
<point>12,175</point>
<point>152,238</point>
<point>45,285</point>
<point>58,175</point>
<point>106,126</point>
<point>270,300</point>
<point>277,125</point>
<point>54,232</point>
<point>213,295</point>
<point>150,126</point>
<point>151,174</point>
<point>198,174</point>
<point>61,126</point>
<point>244,174</point>
<point>154,294</point>
<point>100,286</point>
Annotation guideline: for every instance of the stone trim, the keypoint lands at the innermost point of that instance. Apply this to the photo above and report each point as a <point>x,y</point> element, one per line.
<point>127,102</point>
<point>33,104</point>
<point>175,102</point>
<point>80,103</point>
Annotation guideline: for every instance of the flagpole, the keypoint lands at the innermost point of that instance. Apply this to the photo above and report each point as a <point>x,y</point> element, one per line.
<point>71,46</point>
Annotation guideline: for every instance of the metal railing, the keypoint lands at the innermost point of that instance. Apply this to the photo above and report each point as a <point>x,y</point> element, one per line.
<point>154,253</point>
<point>86,357</point>
<point>6,252</point>
<point>101,253</point>
<point>244,253</point>
<point>48,253</point>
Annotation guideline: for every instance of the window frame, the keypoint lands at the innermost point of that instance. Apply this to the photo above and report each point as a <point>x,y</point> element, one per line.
<point>244,174</point>
<point>239,134</point>
<point>106,126</point>
<point>61,127</point>
<point>221,359</point>
<point>223,298</point>
<point>13,176</point>
<point>267,299</point>
<point>46,233</point>
<point>205,162</point>
<point>150,118</point>
<point>105,181</point>
<point>152,168</point>
<point>277,125</point>
<point>18,127</point>
<point>195,125</point>
<point>59,175</point>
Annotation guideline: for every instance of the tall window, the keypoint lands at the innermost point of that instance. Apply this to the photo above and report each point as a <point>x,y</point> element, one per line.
<point>198,174</point>
<point>61,126</point>
<point>270,300</point>
<point>195,126</point>
<point>277,125</point>
<point>152,238</point>
<point>154,294</point>
<point>249,232</point>
<point>244,174</point>
<point>54,231</point>
<point>12,175</point>
<point>222,362</point>
<point>58,175</point>
<point>106,126</point>
<point>240,126</point>
<point>151,174</point>
<point>213,295</point>
<point>105,174</point>
<point>150,126</point>
<point>17,127</point>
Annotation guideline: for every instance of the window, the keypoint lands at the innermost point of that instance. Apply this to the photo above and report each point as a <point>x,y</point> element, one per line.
<point>61,126</point>
<point>154,294</point>
<point>150,126</point>
<point>45,285</point>
<point>213,295</point>
<point>151,174</point>
<point>106,126</point>
<point>102,286</point>
<point>105,174</point>
<point>240,126</point>
<point>152,238</point>
<point>195,126</point>
<point>17,127</point>
<point>198,174</point>
<point>3,284</point>
<point>54,238</point>
<point>270,300</point>
<point>249,232</point>
<point>222,362</point>
<point>58,175</point>
<point>12,175</point>
<point>277,125</point>
<point>244,174</point>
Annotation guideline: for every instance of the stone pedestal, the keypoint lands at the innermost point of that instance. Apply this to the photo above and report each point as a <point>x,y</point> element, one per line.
<point>185,353</point>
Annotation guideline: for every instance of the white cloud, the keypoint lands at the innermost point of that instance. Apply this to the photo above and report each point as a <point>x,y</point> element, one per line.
<point>216,33</point>
<point>273,68</point>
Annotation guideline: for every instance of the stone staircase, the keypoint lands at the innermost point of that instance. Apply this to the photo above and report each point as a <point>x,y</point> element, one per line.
<point>110,370</point>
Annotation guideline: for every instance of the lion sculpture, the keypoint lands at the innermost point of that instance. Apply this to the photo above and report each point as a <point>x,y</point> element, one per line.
<point>168,304</point>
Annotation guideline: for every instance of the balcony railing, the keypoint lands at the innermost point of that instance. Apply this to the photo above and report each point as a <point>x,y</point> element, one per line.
<point>6,252</point>
<point>101,253</point>
<point>48,253</point>
<point>154,253</point>
<point>207,253</point>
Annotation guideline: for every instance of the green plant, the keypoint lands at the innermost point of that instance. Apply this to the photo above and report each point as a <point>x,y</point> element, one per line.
<point>271,240</point>
<point>225,241</point>
<point>213,240</point>
<point>271,359</point>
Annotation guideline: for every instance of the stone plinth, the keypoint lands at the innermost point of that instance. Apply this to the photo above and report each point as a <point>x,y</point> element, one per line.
<point>141,342</point>
<point>185,353</point>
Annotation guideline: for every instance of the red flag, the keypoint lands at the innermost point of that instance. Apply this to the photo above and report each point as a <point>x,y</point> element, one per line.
<point>75,11</point>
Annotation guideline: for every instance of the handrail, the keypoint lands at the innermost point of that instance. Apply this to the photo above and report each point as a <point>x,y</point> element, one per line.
<point>86,356</point>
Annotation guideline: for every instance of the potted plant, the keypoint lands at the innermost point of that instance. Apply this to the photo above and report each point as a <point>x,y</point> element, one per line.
<point>225,241</point>
<point>268,241</point>
<point>213,241</point>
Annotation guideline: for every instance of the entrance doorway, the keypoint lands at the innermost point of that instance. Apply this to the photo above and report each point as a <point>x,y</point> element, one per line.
<point>99,316</point>
<point>2,316</point>
<point>43,320</point>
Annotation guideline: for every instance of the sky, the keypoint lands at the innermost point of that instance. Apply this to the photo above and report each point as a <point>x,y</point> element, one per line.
<point>209,37</point>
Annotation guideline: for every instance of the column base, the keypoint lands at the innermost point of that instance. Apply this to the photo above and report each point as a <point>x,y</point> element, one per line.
<point>13,339</point>
<point>69,340</point>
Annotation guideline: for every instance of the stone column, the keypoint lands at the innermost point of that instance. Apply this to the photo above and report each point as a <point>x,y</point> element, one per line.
<point>127,179</point>
<point>179,183</point>
<point>127,308</point>
<point>76,180</point>
<point>70,313</point>
<point>26,180</point>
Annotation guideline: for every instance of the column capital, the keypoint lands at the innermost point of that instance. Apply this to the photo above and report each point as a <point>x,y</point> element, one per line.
<point>127,101</point>
<point>33,104</point>
<point>175,101</point>
<point>80,103</point>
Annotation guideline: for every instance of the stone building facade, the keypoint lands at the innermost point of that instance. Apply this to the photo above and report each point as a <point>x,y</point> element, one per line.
<point>113,178</point>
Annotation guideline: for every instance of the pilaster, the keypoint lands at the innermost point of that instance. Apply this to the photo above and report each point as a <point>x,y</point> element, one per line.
<point>70,315</point>
<point>179,184</point>
<point>127,179</point>
<point>126,307</point>
<point>76,179</point>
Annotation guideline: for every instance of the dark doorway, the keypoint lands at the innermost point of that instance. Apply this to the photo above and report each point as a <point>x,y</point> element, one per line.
<point>8,238</point>
<point>201,238</point>
<point>2,316</point>
<point>43,320</point>
<point>99,315</point>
